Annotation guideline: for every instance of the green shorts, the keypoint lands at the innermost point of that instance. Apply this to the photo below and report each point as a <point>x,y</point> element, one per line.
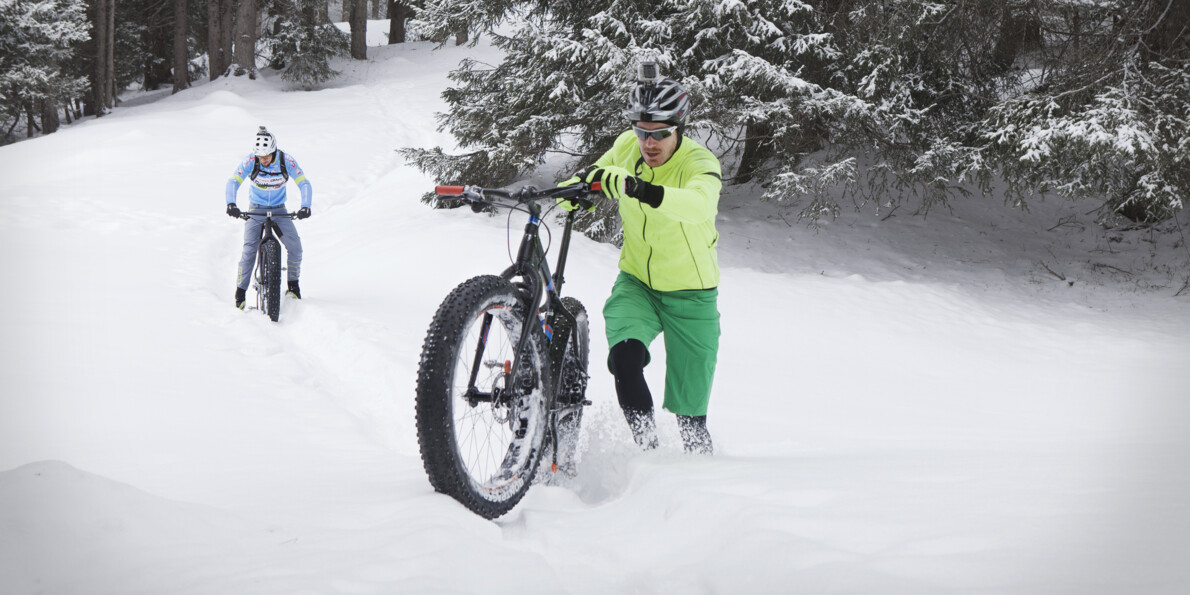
<point>689,320</point>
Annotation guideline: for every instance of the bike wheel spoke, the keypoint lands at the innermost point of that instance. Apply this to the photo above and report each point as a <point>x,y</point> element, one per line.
<point>480,429</point>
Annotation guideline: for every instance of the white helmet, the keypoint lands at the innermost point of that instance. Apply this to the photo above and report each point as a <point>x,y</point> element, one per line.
<point>657,99</point>
<point>266,143</point>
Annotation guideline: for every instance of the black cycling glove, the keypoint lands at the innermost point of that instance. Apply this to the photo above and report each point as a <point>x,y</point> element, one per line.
<point>650,194</point>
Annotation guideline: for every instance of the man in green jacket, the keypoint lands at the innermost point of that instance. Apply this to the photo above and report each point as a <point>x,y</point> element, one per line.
<point>667,188</point>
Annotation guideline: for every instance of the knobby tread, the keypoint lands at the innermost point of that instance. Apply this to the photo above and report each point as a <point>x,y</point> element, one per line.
<point>271,275</point>
<point>572,355</point>
<point>434,419</point>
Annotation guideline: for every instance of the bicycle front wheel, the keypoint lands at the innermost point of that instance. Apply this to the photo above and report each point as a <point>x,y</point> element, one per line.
<point>270,275</point>
<point>480,427</point>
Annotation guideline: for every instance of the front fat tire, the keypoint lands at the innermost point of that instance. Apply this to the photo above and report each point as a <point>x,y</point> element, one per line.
<point>484,455</point>
<point>271,273</point>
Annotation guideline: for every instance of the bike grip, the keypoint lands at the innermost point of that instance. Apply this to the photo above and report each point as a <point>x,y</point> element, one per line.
<point>449,190</point>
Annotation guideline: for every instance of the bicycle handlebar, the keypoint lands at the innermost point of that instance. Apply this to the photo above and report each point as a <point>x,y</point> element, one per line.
<point>245,215</point>
<point>479,197</point>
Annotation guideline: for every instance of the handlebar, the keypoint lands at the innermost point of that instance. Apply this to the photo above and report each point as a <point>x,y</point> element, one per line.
<point>245,215</point>
<point>479,197</point>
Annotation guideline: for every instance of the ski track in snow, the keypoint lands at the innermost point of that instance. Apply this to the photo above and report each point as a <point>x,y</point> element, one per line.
<point>902,405</point>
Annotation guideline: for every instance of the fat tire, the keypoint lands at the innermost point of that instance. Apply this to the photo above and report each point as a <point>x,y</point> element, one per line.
<point>446,421</point>
<point>570,358</point>
<point>270,272</point>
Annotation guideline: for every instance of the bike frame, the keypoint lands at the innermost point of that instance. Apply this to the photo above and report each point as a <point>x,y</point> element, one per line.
<point>542,289</point>
<point>546,290</point>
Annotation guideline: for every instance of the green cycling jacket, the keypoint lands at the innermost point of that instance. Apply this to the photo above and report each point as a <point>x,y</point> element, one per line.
<point>671,247</point>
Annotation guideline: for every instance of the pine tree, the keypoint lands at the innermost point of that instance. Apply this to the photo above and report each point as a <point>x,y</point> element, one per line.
<point>772,86</point>
<point>1107,119</point>
<point>559,92</point>
<point>554,93</point>
<point>38,42</point>
<point>824,100</point>
<point>440,20</point>
<point>304,42</point>
<point>916,71</point>
<point>766,72</point>
<point>818,101</point>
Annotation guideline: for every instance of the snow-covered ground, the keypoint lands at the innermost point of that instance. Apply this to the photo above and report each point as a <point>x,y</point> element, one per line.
<point>902,405</point>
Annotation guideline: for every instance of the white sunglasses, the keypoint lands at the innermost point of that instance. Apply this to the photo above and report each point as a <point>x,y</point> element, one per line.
<point>659,134</point>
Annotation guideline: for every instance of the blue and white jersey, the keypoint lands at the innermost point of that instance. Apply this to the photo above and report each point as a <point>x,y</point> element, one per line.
<point>268,189</point>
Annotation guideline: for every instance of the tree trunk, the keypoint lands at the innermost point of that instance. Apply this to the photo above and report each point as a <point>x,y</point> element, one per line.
<point>756,151</point>
<point>461,36</point>
<point>1008,44</point>
<point>110,65</point>
<point>49,117</point>
<point>103,67</point>
<point>158,39</point>
<point>245,38</point>
<point>376,9</point>
<point>398,14</point>
<point>98,34</point>
<point>359,29</point>
<point>181,74</point>
<point>215,61</point>
<point>228,32</point>
<point>1076,26</point>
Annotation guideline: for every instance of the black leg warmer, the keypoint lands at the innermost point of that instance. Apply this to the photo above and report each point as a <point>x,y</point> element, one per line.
<point>627,361</point>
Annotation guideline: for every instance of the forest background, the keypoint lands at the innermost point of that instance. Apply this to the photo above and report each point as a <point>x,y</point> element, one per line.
<point>825,104</point>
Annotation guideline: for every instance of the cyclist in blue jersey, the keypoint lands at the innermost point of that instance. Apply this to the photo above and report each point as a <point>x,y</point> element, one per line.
<point>269,169</point>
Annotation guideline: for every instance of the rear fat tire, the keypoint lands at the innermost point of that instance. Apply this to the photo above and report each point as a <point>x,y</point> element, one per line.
<point>270,272</point>
<point>483,455</point>
<point>571,357</point>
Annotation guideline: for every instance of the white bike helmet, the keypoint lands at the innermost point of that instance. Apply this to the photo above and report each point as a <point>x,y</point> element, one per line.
<point>656,99</point>
<point>266,143</point>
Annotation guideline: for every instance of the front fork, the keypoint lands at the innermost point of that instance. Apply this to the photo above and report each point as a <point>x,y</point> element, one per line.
<point>258,282</point>
<point>474,397</point>
<point>524,269</point>
<point>505,394</point>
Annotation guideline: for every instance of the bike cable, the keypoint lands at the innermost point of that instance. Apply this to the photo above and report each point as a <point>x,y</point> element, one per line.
<point>549,235</point>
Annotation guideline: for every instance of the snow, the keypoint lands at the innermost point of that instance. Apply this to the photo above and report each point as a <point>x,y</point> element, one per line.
<point>903,404</point>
